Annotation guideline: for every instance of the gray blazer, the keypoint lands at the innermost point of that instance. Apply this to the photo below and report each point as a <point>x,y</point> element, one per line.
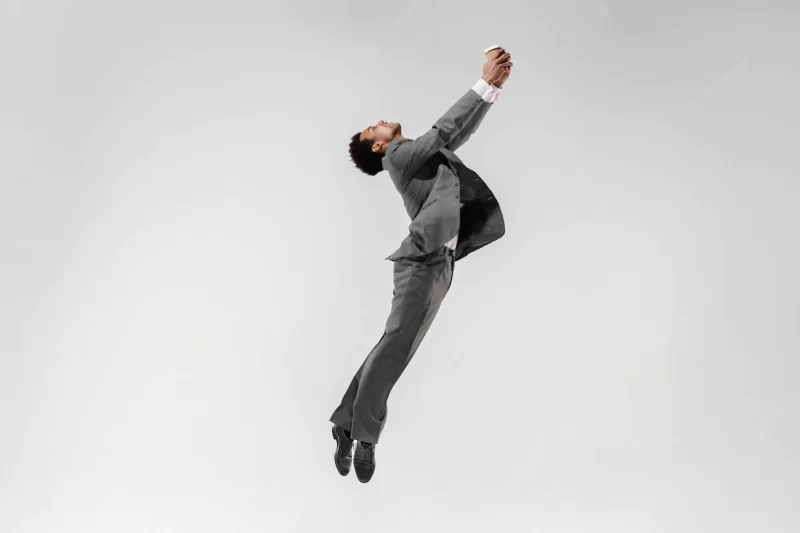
<point>434,183</point>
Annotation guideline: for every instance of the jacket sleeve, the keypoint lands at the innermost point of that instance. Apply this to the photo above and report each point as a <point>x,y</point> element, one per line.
<point>409,157</point>
<point>471,127</point>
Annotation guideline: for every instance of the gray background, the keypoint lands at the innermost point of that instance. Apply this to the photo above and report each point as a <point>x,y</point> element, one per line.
<point>192,269</point>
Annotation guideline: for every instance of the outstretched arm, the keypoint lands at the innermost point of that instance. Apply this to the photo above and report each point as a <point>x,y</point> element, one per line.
<point>488,94</point>
<point>409,156</point>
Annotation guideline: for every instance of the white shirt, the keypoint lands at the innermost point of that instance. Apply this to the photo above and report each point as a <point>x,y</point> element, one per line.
<point>489,94</point>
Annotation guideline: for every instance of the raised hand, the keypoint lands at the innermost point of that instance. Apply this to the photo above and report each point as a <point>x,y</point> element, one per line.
<point>504,77</point>
<point>492,54</point>
<point>495,69</point>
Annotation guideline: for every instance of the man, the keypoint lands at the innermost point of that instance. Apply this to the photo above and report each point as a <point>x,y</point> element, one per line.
<point>453,214</point>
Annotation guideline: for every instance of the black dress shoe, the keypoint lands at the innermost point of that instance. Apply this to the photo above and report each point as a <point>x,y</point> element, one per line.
<point>343,456</point>
<point>364,462</point>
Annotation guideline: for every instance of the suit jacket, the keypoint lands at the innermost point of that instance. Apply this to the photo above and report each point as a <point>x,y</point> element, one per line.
<point>434,183</point>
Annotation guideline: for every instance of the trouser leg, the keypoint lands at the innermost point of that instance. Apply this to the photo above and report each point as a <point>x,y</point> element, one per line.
<point>343,415</point>
<point>420,287</point>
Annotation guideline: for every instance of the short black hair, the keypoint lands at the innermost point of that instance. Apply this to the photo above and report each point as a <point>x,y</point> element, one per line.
<point>365,159</point>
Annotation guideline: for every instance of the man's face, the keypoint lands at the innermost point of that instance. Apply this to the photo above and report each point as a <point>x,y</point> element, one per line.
<point>381,134</point>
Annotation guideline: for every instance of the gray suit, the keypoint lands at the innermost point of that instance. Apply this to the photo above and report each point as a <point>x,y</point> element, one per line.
<point>443,197</point>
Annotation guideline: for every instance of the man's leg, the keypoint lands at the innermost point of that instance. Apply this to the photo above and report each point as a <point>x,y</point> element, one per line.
<point>420,287</point>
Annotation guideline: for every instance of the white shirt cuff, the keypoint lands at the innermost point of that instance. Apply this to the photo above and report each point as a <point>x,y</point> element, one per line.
<point>488,92</point>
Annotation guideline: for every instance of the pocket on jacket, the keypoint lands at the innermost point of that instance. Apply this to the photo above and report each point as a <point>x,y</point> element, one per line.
<point>428,204</point>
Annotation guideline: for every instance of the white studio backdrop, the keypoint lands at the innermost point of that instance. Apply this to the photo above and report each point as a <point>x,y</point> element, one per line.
<point>192,269</point>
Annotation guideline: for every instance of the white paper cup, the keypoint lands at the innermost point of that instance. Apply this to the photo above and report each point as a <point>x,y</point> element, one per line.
<point>492,52</point>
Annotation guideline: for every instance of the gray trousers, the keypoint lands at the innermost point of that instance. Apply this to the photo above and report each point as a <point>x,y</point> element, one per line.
<point>420,285</point>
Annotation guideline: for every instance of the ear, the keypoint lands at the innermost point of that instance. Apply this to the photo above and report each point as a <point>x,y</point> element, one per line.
<point>378,147</point>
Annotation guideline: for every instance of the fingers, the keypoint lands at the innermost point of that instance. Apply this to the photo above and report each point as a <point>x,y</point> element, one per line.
<point>502,57</point>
